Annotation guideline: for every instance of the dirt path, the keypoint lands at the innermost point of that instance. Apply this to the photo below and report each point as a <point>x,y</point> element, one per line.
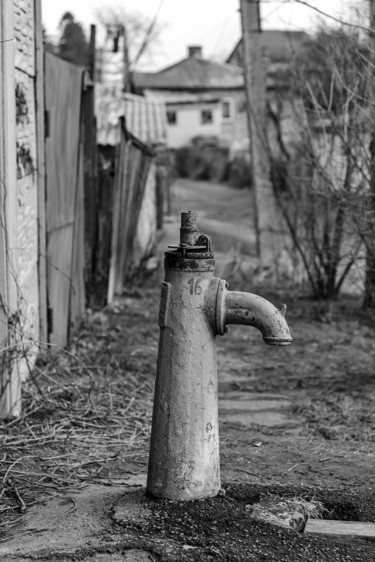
<point>295,423</point>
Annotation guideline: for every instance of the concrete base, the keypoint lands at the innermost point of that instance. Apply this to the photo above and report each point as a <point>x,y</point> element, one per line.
<point>62,526</point>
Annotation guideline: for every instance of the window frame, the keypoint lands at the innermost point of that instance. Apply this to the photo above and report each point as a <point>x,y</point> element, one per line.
<point>231,107</point>
<point>204,120</point>
<point>169,113</point>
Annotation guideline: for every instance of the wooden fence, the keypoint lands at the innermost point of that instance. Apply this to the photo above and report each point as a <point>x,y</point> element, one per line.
<point>64,198</point>
<point>91,218</point>
<point>80,231</point>
<point>133,159</point>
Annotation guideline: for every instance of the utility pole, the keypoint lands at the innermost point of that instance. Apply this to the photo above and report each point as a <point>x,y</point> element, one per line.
<point>266,213</point>
<point>369,298</point>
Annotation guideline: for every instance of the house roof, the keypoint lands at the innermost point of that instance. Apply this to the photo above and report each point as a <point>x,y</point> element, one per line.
<point>279,45</point>
<point>145,117</point>
<point>192,74</point>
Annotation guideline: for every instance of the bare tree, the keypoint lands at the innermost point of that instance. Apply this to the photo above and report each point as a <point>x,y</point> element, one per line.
<point>322,182</point>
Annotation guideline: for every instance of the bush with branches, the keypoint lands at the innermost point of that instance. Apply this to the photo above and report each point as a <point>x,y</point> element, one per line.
<point>322,180</point>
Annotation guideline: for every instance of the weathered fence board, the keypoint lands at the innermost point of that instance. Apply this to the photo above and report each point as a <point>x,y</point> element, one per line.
<point>346,531</point>
<point>63,90</point>
<point>104,235</point>
<point>77,295</point>
<point>133,159</point>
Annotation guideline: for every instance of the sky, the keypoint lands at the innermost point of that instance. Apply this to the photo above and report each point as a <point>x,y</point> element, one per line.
<point>214,24</point>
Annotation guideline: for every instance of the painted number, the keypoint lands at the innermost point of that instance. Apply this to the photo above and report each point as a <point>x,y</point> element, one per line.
<point>195,287</point>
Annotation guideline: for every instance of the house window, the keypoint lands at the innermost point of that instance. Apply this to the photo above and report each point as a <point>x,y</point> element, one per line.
<point>206,116</point>
<point>227,110</point>
<point>172,117</point>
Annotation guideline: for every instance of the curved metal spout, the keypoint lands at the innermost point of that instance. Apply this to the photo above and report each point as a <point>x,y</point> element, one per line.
<point>234,307</point>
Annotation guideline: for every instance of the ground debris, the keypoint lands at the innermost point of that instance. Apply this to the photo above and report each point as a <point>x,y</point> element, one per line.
<point>86,414</point>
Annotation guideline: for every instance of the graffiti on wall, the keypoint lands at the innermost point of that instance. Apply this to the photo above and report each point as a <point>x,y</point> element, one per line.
<point>25,162</point>
<point>22,110</point>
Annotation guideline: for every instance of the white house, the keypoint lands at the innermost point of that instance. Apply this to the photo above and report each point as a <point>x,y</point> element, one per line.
<point>203,99</point>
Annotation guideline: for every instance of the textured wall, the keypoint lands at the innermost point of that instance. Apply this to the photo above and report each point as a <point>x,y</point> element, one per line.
<point>27,219</point>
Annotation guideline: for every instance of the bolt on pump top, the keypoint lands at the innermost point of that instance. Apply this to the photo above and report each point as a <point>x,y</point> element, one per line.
<point>195,307</point>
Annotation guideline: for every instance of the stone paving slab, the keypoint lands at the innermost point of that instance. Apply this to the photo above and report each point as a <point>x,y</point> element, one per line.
<point>249,409</point>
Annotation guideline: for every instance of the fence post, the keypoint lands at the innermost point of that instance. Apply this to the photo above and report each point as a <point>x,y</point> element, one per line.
<point>10,392</point>
<point>41,170</point>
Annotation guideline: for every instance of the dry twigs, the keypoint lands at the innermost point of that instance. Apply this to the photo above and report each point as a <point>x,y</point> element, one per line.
<point>85,414</point>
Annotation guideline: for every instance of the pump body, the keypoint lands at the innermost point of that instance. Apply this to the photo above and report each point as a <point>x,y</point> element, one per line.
<point>195,306</point>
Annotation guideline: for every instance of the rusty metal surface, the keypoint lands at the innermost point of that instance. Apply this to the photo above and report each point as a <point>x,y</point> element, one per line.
<point>175,261</point>
<point>192,247</point>
<point>189,230</point>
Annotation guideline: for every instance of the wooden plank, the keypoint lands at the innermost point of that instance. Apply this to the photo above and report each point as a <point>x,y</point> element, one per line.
<point>103,246</point>
<point>90,175</point>
<point>129,211</point>
<point>132,167</point>
<point>39,109</point>
<point>138,195</point>
<point>343,530</point>
<point>63,87</point>
<point>116,219</point>
<point>60,244</point>
<point>77,294</point>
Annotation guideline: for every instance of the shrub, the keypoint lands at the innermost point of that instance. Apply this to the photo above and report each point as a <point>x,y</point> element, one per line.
<point>211,163</point>
<point>239,172</point>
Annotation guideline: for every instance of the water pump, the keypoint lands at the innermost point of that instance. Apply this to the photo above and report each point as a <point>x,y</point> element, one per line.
<point>195,307</point>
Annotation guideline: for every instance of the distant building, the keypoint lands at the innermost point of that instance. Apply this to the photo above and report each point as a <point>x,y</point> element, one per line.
<point>203,99</point>
<point>206,99</point>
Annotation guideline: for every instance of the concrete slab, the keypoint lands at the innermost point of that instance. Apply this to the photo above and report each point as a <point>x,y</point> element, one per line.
<point>62,525</point>
<point>266,419</point>
<point>249,409</point>
<point>279,400</point>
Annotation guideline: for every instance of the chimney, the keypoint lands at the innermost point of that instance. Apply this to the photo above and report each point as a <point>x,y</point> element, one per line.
<point>195,52</point>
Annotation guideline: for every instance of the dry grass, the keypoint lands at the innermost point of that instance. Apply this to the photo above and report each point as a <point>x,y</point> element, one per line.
<point>86,414</point>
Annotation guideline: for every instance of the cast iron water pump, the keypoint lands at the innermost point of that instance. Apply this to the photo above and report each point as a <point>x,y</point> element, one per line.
<point>195,307</point>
